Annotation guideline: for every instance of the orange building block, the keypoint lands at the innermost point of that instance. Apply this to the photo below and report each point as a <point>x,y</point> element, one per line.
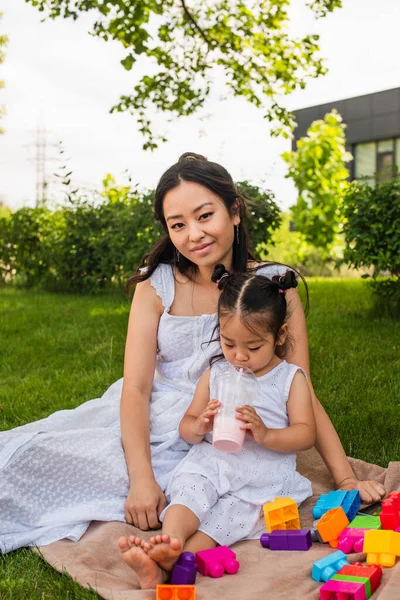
<point>175,592</point>
<point>282,513</point>
<point>381,547</point>
<point>331,525</point>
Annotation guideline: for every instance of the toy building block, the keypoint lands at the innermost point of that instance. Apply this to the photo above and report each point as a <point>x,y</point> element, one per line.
<point>351,540</point>
<point>287,540</point>
<point>364,580</point>
<point>381,547</point>
<point>185,570</point>
<point>373,572</point>
<point>217,561</point>
<point>331,525</point>
<point>366,522</point>
<point>340,590</point>
<point>325,568</point>
<point>349,500</point>
<point>327,501</point>
<point>282,513</point>
<point>175,592</point>
<point>390,515</point>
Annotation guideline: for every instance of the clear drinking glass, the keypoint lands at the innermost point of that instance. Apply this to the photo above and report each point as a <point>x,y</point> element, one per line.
<point>235,386</point>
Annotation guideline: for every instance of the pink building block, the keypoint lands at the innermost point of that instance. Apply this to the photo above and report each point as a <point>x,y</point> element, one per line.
<point>217,561</point>
<point>351,540</point>
<point>342,590</point>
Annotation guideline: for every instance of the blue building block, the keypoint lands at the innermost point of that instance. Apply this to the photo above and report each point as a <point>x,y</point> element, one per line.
<point>351,504</point>
<point>327,501</point>
<point>185,570</point>
<point>349,500</point>
<point>327,567</point>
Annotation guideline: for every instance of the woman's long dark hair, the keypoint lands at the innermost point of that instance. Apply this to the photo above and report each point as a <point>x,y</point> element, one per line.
<point>195,168</point>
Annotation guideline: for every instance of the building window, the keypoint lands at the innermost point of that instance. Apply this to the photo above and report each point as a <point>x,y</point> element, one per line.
<point>365,160</point>
<point>377,160</point>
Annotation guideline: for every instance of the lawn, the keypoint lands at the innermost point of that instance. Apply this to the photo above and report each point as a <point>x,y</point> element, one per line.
<point>59,350</point>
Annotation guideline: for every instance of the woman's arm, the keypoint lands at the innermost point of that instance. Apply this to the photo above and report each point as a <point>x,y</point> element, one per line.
<point>199,417</point>
<point>327,440</point>
<point>146,499</point>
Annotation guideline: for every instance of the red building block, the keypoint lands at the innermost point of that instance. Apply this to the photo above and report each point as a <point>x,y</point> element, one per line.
<point>217,561</point>
<point>331,525</point>
<point>342,590</point>
<point>390,515</point>
<point>373,572</point>
<point>175,592</point>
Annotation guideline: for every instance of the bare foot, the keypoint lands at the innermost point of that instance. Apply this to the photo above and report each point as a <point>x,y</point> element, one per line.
<point>148,572</point>
<point>164,550</point>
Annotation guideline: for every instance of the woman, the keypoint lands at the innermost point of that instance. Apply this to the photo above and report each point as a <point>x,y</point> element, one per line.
<point>60,473</point>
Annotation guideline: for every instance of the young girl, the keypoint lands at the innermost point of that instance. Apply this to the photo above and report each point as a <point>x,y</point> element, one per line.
<point>216,497</point>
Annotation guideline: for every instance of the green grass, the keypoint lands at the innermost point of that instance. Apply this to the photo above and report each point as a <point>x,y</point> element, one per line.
<point>59,350</point>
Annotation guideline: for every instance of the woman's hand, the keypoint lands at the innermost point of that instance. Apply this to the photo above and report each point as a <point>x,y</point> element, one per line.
<point>144,504</point>
<point>253,424</point>
<point>205,421</point>
<point>370,491</point>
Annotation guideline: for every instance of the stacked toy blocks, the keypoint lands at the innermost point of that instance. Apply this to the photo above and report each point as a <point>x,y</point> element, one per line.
<point>282,513</point>
<point>175,592</point>
<point>349,501</point>
<point>325,568</point>
<point>185,570</point>
<point>217,561</point>
<point>381,547</point>
<point>299,539</point>
<point>390,515</point>
<point>331,525</point>
<point>355,582</point>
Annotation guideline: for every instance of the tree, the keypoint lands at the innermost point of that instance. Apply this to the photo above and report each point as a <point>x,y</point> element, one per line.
<point>246,40</point>
<point>265,216</point>
<point>3,43</point>
<point>372,234</point>
<point>318,170</point>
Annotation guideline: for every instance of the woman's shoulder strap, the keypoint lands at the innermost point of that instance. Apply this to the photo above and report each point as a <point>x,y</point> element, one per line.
<point>162,280</point>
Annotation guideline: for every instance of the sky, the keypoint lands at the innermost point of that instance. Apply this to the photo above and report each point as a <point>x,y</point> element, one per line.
<point>60,78</point>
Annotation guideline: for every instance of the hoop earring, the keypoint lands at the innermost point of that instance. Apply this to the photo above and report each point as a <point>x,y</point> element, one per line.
<point>237,234</point>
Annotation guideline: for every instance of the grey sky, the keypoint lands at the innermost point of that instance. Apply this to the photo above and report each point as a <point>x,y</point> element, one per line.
<point>58,75</point>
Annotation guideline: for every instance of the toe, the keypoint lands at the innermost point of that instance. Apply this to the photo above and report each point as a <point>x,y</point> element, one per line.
<point>123,544</point>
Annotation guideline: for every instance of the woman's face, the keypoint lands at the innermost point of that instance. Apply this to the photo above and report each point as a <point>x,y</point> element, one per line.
<point>199,224</point>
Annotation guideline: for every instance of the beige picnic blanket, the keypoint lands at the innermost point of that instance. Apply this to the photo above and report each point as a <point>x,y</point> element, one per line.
<point>94,561</point>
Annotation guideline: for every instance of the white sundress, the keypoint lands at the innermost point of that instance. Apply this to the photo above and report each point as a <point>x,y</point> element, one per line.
<point>227,490</point>
<point>60,473</point>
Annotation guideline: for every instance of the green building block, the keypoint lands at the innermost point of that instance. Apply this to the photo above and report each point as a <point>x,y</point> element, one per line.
<point>366,522</point>
<point>363,580</point>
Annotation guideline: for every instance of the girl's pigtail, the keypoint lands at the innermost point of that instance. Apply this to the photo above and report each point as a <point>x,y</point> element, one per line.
<point>220,276</point>
<point>286,281</point>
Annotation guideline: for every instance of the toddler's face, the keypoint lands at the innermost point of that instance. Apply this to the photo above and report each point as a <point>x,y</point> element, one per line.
<point>243,347</point>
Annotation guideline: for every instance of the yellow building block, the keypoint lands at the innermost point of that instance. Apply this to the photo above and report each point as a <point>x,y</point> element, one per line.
<point>282,513</point>
<point>381,547</point>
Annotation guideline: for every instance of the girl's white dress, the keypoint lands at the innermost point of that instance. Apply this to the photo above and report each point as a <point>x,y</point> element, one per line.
<point>225,490</point>
<point>60,473</point>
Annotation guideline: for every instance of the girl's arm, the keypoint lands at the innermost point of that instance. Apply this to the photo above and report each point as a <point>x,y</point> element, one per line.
<point>327,440</point>
<point>145,499</point>
<point>199,417</point>
<point>300,435</point>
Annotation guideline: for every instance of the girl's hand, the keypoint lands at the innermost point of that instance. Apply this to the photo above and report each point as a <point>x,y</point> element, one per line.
<point>205,421</point>
<point>370,491</point>
<point>253,424</point>
<point>144,504</point>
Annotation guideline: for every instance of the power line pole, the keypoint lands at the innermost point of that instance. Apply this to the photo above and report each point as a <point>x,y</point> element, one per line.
<point>42,157</point>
